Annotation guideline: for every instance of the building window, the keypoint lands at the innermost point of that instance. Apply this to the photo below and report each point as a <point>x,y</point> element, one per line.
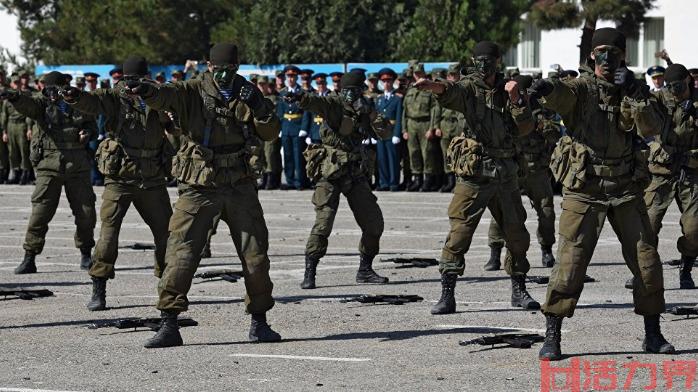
<point>653,40</point>
<point>510,59</point>
<point>632,52</point>
<point>530,46</point>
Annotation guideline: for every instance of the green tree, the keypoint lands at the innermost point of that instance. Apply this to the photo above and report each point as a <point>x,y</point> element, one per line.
<point>557,14</point>
<point>448,29</point>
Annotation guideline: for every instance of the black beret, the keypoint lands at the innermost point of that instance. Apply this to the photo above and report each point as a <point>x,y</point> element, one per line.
<point>608,36</point>
<point>291,69</point>
<point>353,79</point>
<point>675,73</point>
<point>693,71</point>
<point>486,48</point>
<point>223,54</point>
<point>55,78</point>
<point>387,71</point>
<point>358,70</point>
<point>116,70</point>
<point>135,65</point>
<point>524,81</point>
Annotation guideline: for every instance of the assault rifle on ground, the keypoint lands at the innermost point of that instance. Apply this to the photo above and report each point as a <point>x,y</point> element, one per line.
<point>546,279</point>
<point>150,323</point>
<point>684,311</point>
<point>228,275</point>
<point>517,340</point>
<point>388,299</point>
<point>412,262</point>
<point>26,294</point>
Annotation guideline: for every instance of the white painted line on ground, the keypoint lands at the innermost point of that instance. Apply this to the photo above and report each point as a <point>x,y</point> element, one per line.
<point>301,357</point>
<point>30,390</point>
<point>503,329</point>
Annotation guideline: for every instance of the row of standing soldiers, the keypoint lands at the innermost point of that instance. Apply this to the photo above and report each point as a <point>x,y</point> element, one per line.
<point>217,120</point>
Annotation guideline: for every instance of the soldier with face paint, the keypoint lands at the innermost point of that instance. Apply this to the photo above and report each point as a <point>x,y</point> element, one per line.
<point>220,113</point>
<point>603,170</point>
<point>484,162</point>
<point>342,165</point>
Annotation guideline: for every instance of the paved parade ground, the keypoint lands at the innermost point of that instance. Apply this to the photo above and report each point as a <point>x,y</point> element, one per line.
<point>329,344</point>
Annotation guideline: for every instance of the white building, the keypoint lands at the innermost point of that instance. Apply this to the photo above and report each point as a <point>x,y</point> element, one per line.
<point>668,26</point>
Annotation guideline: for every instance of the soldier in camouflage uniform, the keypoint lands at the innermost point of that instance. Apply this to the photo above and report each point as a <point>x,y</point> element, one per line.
<point>59,154</point>
<point>219,113</point>
<point>16,126</point>
<point>603,170</point>
<point>673,163</point>
<point>418,116</point>
<point>450,123</point>
<point>341,165</point>
<point>134,158</point>
<point>484,161</point>
<point>534,152</point>
<point>272,149</point>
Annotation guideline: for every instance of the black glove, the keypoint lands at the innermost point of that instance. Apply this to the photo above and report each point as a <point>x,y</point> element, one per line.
<point>139,87</point>
<point>541,88</point>
<point>293,97</point>
<point>8,93</point>
<point>624,77</point>
<point>688,109</point>
<point>70,93</point>
<point>251,96</point>
<point>361,106</point>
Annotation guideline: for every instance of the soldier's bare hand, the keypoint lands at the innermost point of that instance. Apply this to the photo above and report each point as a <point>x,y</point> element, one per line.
<point>5,138</point>
<point>430,134</point>
<point>405,135</point>
<point>512,88</point>
<point>438,132</point>
<point>29,134</point>
<point>428,85</point>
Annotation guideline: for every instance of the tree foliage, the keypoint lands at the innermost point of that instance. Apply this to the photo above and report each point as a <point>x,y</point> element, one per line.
<point>557,14</point>
<point>287,31</point>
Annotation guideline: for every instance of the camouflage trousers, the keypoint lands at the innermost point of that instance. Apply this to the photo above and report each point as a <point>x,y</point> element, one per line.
<point>153,205</point>
<point>363,204</point>
<point>581,222</point>
<point>538,188</point>
<point>18,146</point>
<point>272,155</point>
<point>193,219</point>
<point>659,195</point>
<point>423,152</point>
<point>45,198</point>
<point>470,199</point>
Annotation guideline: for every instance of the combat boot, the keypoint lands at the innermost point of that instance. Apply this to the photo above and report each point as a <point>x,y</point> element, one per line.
<point>168,333</point>
<point>366,274</point>
<point>654,341</point>
<point>447,302</point>
<point>28,265</point>
<point>85,259</point>
<point>206,252</point>
<point>428,184</point>
<point>264,182</point>
<point>99,294</point>
<point>260,331</point>
<point>25,179</point>
<point>630,283</point>
<point>494,263</point>
<point>548,260</point>
<point>416,183</point>
<point>14,177</point>
<point>685,279</point>
<point>310,269</point>
<point>553,334</point>
<point>450,183</point>
<point>519,295</point>
<point>3,176</point>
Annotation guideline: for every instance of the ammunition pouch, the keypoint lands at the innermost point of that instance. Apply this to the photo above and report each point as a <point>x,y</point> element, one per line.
<point>641,171</point>
<point>661,159</point>
<point>568,163</point>
<point>325,162</point>
<point>197,165</point>
<point>109,156</point>
<point>469,158</point>
<point>36,152</point>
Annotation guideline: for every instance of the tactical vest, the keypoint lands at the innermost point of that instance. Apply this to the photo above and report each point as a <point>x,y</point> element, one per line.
<point>61,129</point>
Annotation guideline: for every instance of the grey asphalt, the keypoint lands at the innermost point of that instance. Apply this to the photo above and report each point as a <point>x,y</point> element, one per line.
<point>328,344</point>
